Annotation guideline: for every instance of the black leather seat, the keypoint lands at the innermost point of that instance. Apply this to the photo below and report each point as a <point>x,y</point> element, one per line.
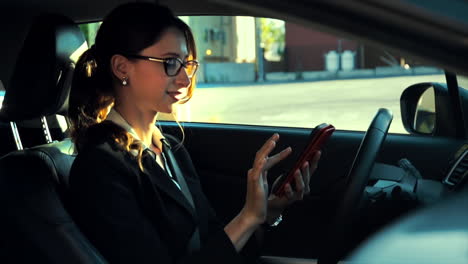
<point>34,224</point>
<point>7,143</point>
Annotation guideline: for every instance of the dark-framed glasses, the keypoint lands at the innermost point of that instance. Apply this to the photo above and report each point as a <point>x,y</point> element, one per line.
<point>172,66</point>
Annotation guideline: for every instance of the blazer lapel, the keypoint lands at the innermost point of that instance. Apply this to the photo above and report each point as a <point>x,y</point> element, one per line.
<point>162,181</point>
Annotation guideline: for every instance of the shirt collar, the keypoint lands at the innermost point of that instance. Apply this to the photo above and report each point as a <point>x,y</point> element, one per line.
<point>117,118</point>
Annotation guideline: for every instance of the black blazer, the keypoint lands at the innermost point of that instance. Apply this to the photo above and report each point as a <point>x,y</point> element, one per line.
<point>135,218</point>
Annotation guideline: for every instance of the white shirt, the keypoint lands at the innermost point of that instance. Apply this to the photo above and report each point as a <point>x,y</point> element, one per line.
<point>117,118</point>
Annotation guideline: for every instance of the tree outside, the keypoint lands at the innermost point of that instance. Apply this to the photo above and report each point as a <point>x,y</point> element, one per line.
<point>272,38</point>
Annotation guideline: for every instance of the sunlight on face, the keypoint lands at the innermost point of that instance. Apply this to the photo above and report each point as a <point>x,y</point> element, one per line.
<point>151,87</point>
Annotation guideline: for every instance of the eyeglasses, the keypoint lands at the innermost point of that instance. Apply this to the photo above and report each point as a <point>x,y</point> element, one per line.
<point>172,66</point>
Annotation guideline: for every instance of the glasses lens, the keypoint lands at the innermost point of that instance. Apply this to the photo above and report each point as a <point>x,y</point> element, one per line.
<point>172,66</point>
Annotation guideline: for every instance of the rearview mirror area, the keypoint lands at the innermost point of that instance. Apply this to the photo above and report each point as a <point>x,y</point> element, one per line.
<point>426,109</point>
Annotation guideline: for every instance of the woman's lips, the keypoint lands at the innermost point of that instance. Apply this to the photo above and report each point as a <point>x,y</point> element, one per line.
<point>176,96</point>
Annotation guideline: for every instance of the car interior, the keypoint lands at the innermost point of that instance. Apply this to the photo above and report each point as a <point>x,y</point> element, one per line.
<point>366,182</point>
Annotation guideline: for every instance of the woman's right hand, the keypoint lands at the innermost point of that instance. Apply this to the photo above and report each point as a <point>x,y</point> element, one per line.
<point>255,208</point>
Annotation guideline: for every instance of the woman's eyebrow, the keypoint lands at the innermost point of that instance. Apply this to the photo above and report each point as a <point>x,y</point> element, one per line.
<point>174,54</point>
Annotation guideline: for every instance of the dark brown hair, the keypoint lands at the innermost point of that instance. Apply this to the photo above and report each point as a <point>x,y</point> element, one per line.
<point>128,29</point>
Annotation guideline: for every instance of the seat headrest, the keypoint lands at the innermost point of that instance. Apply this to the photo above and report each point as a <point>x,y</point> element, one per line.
<point>41,81</point>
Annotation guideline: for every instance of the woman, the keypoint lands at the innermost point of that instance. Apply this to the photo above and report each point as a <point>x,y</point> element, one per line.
<point>134,196</point>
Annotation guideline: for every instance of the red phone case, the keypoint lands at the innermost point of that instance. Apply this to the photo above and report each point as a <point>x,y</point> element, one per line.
<point>319,137</point>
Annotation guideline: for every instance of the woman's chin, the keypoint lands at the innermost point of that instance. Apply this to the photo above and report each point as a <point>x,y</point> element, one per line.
<point>167,110</point>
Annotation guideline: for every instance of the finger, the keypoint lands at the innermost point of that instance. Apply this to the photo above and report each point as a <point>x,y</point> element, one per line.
<point>266,149</point>
<point>267,145</point>
<point>312,168</point>
<point>299,185</point>
<point>257,169</point>
<point>265,182</point>
<point>305,167</point>
<point>265,177</point>
<point>278,179</point>
<point>278,157</point>
<point>314,162</point>
<point>306,177</point>
<point>289,192</point>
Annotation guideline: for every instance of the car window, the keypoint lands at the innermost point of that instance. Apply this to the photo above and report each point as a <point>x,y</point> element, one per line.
<point>90,31</point>
<point>268,72</point>
<point>462,81</point>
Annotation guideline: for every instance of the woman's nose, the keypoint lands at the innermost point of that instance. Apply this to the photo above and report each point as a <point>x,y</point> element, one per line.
<point>183,79</point>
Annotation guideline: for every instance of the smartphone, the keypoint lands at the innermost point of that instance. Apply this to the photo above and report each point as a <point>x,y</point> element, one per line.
<point>317,139</point>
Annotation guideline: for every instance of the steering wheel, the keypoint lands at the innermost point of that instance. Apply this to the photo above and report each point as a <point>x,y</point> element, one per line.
<point>358,177</point>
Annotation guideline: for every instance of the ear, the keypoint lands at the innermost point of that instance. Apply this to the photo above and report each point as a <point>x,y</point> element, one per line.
<point>120,66</point>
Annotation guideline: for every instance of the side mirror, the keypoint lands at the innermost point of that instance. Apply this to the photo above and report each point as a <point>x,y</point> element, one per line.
<point>426,110</point>
<point>425,113</point>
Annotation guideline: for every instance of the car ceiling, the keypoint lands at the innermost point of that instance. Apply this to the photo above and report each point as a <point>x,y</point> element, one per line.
<point>400,25</point>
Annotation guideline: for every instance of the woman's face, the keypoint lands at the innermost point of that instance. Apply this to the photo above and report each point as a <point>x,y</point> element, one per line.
<point>149,86</point>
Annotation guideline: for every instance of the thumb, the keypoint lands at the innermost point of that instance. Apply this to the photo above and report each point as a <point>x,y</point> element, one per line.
<point>278,179</point>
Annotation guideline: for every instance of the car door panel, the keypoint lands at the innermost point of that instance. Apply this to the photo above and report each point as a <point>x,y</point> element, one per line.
<point>223,154</point>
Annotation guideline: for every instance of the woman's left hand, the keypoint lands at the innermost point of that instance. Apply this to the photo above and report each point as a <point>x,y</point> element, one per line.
<point>276,204</point>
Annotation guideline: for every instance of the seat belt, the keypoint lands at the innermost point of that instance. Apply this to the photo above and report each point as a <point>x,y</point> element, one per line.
<point>194,242</point>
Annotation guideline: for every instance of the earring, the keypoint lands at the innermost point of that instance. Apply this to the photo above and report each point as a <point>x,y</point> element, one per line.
<point>124,81</point>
